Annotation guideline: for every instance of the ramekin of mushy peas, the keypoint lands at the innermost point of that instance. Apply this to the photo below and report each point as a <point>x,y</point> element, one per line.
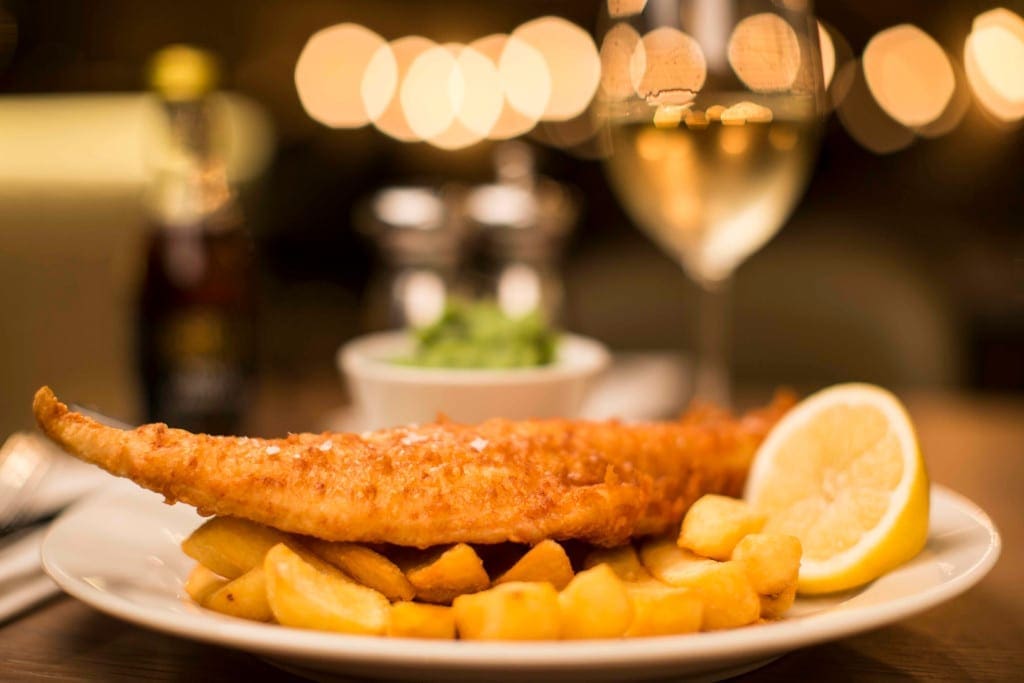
<point>472,364</point>
<point>478,334</point>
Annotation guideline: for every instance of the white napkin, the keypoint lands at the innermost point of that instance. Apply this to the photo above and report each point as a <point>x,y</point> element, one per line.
<point>22,582</point>
<point>64,480</point>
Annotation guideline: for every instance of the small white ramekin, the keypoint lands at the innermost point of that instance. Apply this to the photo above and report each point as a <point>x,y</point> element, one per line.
<point>390,394</point>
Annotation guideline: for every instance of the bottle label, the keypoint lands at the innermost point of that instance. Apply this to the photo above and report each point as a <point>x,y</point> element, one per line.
<point>202,355</point>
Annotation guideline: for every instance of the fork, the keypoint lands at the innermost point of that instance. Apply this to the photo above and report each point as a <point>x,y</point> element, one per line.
<point>36,480</point>
<point>25,460</point>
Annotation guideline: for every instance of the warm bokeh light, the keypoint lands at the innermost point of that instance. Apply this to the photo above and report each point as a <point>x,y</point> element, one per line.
<point>625,8</point>
<point>525,78</point>
<point>481,101</point>
<point>617,48</point>
<point>329,74</point>
<point>994,61</point>
<point>828,54</point>
<point>954,112</point>
<point>835,54</point>
<point>864,119</point>
<point>765,53</point>
<point>572,63</point>
<point>510,122</point>
<point>432,92</point>
<point>667,67</point>
<point>909,75</point>
<point>380,82</point>
<point>391,119</point>
<point>484,99</point>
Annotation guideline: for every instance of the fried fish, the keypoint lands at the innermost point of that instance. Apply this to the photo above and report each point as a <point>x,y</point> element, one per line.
<point>502,480</point>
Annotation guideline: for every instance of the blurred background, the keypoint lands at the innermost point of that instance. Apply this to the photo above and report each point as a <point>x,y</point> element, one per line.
<point>902,265</point>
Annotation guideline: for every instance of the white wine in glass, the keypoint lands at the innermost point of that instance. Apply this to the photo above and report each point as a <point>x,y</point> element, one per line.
<point>710,168</point>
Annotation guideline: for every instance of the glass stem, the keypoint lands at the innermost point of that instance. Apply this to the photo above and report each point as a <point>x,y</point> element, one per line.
<point>712,379</point>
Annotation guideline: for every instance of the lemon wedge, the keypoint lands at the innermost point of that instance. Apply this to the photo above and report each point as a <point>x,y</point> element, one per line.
<point>842,472</point>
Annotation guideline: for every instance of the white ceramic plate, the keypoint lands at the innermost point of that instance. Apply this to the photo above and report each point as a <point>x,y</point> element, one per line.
<point>118,552</point>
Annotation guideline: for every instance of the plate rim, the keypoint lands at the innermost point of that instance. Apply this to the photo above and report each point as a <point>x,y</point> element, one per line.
<point>274,640</point>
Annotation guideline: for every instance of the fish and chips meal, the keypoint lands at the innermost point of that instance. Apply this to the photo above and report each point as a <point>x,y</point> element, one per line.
<point>524,530</point>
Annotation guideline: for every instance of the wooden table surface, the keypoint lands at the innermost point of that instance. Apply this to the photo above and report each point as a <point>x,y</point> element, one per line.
<point>973,445</point>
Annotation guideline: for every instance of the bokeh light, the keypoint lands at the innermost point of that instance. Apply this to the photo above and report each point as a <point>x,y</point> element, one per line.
<point>572,63</point>
<point>954,112</point>
<point>391,120</point>
<point>481,99</point>
<point>667,67</point>
<point>432,92</point>
<point>835,54</point>
<point>510,122</point>
<point>864,119</point>
<point>484,98</point>
<point>764,52</point>
<point>994,62</point>
<point>828,54</point>
<point>617,48</point>
<point>380,82</point>
<point>329,74</point>
<point>525,78</point>
<point>909,75</point>
<point>625,8</point>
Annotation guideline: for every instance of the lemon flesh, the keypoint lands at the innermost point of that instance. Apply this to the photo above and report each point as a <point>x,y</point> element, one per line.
<point>843,473</point>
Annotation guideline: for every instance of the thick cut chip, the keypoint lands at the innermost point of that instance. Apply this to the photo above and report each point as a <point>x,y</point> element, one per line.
<point>203,581</point>
<point>729,599</point>
<point>595,604</point>
<point>304,596</point>
<point>671,564</point>
<point>366,566</point>
<point>660,610</point>
<point>715,524</point>
<point>448,573</point>
<point>772,561</point>
<point>231,546</point>
<point>545,561</point>
<point>776,606</point>
<point>244,597</point>
<point>415,620</point>
<point>728,596</point>
<point>511,611</point>
<point>622,560</point>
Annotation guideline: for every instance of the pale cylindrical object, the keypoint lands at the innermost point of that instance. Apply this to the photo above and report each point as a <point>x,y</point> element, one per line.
<point>111,139</point>
<point>389,394</point>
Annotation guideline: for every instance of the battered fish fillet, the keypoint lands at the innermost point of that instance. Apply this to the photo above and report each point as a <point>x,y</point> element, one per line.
<point>502,480</point>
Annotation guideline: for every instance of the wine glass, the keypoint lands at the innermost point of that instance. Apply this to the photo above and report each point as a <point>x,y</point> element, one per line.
<point>713,110</point>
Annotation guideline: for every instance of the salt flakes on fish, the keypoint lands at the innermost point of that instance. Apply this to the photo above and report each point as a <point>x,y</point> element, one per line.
<point>478,444</point>
<point>273,450</point>
<point>411,439</point>
<point>326,446</point>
